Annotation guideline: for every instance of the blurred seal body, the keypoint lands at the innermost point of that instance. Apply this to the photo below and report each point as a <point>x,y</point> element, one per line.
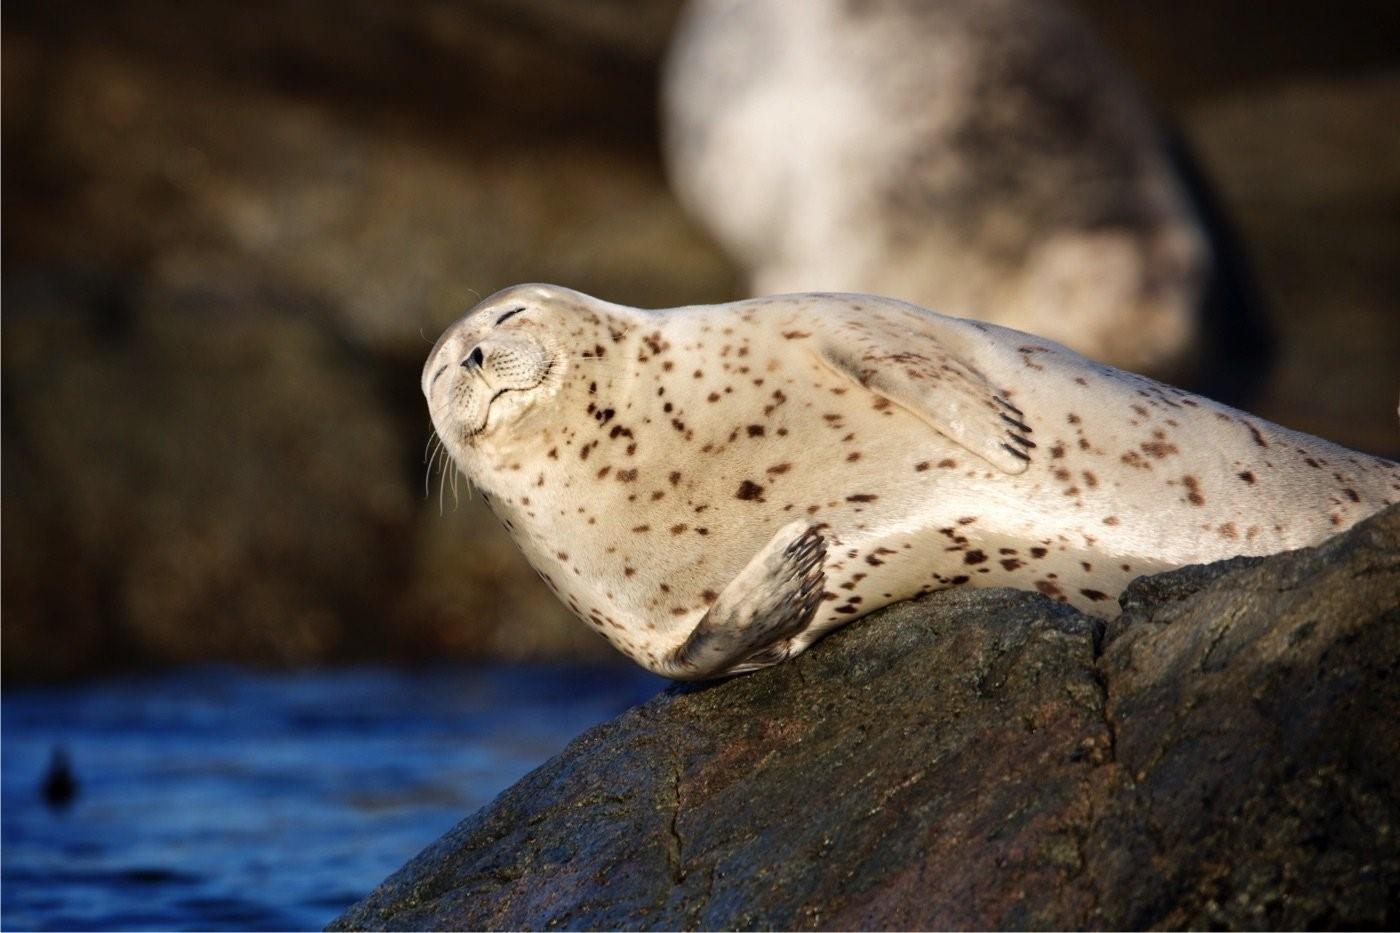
<point>982,155</point>
<point>712,488</point>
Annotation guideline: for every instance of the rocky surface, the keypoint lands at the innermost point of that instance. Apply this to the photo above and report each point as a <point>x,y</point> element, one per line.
<point>1223,755</point>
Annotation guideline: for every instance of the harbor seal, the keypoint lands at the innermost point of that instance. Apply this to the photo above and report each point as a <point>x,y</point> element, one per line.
<point>980,155</point>
<point>714,487</point>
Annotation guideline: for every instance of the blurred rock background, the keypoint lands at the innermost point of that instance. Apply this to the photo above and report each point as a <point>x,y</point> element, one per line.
<point>232,231</point>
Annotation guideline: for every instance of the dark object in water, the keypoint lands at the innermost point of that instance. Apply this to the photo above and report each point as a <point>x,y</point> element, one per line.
<point>59,788</point>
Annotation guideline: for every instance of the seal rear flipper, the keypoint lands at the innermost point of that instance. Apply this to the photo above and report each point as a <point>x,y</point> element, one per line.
<point>772,599</point>
<point>940,388</point>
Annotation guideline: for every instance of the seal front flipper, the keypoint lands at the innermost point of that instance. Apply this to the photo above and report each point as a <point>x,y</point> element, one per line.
<point>772,599</point>
<point>933,383</point>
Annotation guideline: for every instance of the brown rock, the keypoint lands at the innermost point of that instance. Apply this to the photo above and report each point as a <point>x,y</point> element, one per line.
<point>1313,179</point>
<point>191,481</point>
<point>1229,759</point>
<point>230,239</point>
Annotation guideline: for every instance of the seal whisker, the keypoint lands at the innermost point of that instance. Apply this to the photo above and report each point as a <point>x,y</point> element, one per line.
<point>431,459</point>
<point>442,480</point>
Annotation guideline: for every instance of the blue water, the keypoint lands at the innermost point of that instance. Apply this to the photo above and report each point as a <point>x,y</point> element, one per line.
<point>219,798</point>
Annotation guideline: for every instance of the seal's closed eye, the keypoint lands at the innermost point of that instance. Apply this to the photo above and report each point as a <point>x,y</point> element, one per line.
<point>509,314</point>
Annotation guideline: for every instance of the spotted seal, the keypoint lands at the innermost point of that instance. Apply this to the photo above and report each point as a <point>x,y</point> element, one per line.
<point>713,488</point>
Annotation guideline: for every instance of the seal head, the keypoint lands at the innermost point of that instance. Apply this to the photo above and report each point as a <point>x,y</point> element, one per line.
<point>492,369</point>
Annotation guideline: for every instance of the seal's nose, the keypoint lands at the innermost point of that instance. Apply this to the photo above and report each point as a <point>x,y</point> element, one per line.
<point>474,358</point>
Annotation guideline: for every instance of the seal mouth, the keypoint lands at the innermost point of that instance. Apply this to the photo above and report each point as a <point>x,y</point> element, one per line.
<point>489,424</point>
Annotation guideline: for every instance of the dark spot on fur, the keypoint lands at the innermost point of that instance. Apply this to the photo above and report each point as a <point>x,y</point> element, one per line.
<point>1247,476</point>
<point>749,491</point>
<point>974,557</point>
<point>1093,595</point>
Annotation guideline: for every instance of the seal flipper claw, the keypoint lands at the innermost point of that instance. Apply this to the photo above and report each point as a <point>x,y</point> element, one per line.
<point>773,598</point>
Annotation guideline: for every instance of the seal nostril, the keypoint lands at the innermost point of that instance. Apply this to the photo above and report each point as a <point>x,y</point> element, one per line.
<point>474,358</point>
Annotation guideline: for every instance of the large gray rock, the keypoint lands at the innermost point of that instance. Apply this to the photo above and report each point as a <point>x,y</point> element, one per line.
<point>1226,754</point>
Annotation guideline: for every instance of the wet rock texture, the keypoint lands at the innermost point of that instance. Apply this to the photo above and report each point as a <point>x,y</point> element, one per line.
<point>1226,754</point>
